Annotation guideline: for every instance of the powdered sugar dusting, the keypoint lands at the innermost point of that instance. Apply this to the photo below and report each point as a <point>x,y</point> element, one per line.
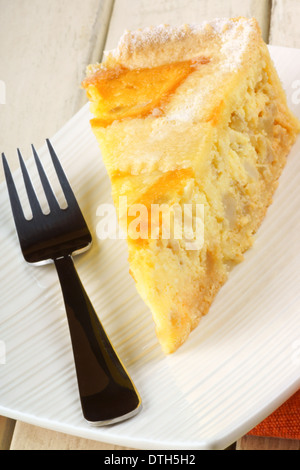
<point>135,40</point>
<point>234,45</point>
<point>232,34</point>
<point>225,41</point>
<point>186,111</point>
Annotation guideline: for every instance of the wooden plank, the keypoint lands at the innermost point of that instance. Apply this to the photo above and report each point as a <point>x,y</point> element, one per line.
<point>266,443</point>
<point>28,437</point>
<point>44,49</point>
<point>7,427</point>
<point>284,29</point>
<point>140,13</point>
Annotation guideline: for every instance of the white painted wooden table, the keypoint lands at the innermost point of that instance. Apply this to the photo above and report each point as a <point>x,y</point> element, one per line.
<point>44,49</point>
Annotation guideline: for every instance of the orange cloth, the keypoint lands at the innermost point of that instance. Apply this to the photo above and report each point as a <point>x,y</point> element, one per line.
<point>283,423</point>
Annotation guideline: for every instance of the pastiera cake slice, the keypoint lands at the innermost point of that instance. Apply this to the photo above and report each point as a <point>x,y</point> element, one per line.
<point>188,117</point>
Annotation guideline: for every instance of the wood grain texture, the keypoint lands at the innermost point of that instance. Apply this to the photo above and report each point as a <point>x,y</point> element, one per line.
<point>284,30</point>
<point>266,443</point>
<point>44,49</point>
<point>28,437</point>
<point>7,427</point>
<point>136,14</point>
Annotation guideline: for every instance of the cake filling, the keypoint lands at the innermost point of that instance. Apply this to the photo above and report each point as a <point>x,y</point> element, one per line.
<point>120,93</point>
<point>212,131</point>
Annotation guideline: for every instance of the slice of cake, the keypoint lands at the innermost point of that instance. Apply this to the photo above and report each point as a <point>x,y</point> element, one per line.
<point>189,118</point>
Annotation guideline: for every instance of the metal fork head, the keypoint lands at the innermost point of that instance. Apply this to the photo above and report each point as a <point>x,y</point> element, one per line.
<point>59,233</point>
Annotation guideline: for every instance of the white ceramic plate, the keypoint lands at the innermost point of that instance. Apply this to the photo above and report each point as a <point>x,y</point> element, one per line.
<point>240,364</point>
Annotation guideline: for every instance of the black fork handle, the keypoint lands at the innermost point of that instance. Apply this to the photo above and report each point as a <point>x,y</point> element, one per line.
<point>106,391</point>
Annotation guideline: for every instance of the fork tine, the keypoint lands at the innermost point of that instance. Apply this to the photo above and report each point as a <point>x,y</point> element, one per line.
<point>13,196</point>
<point>33,200</point>
<point>68,192</point>
<point>52,201</point>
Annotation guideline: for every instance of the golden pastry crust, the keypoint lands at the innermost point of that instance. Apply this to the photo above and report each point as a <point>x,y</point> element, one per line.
<point>209,127</point>
<point>232,41</point>
<point>229,45</point>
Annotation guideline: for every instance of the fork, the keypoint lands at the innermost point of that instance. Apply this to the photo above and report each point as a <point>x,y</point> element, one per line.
<point>107,393</point>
